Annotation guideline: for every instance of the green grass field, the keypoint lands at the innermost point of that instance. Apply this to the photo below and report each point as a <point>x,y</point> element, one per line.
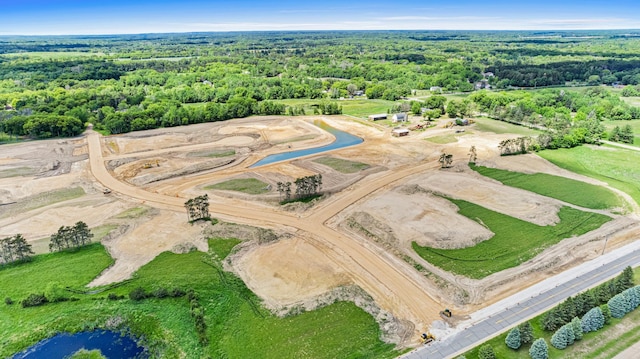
<point>515,241</point>
<point>238,327</point>
<point>615,166</point>
<point>341,165</point>
<point>358,108</point>
<point>565,189</point>
<point>213,154</point>
<point>603,344</point>
<point>245,185</point>
<point>444,139</point>
<point>495,126</point>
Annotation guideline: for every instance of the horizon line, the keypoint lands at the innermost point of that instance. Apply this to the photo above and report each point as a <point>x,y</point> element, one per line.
<point>315,30</point>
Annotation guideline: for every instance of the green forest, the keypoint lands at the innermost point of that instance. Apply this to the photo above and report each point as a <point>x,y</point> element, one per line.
<point>54,86</point>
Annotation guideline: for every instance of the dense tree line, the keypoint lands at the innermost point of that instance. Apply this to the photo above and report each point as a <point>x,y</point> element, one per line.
<point>136,82</point>
<point>582,303</point>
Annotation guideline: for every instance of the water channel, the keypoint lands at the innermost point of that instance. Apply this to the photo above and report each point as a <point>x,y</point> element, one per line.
<point>343,139</point>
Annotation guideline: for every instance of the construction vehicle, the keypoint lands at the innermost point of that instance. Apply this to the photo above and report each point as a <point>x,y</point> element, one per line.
<point>150,164</point>
<point>446,313</point>
<point>427,338</point>
<point>106,191</point>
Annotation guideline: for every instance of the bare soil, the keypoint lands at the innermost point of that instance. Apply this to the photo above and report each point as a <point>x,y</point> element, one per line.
<point>357,236</point>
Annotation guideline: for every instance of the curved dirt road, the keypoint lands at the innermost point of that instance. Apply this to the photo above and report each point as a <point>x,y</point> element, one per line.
<point>389,282</point>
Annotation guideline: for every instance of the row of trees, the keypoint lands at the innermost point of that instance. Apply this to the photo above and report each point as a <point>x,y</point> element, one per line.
<point>69,237</point>
<point>306,187</point>
<point>583,302</point>
<point>624,134</point>
<point>15,249</point>
<point>198,208</point>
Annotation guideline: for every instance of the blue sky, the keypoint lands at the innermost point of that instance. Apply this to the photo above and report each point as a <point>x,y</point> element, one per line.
<point>55,17</point>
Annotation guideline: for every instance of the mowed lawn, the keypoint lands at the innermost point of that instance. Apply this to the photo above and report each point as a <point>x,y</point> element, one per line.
<point>616,166</point>
<point>565,189</point>
<point>237,325</point>
<point>357,108</point>
<point>515,241</point>
<point>635,125</point>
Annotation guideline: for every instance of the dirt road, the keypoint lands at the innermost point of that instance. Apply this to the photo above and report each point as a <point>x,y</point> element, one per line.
<point>388,281</point>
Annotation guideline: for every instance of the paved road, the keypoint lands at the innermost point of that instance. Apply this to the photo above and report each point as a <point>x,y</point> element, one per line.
<point>500,322</point>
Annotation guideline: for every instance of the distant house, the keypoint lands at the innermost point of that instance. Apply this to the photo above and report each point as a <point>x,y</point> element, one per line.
<point>382,116</point>
<point>482,84</point>
<point>399,117</point>
<point>400,132</point>
<point>437,89</point>
<point>488,74</point>
<point>358,93</point>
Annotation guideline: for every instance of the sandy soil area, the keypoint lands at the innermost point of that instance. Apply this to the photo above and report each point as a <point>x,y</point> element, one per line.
<point>280,272</point>
<point>320,253</point>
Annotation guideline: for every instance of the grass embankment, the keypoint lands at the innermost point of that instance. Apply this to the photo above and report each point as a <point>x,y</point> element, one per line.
<point>213,154</point>
<point>237,327</point>
<point>496,126</point>
<point>245,185</point>
<point>341,165</point>
<point>45,198</point>
<point>357,108</point>
<point>565,189</point>
<point>515,241</point>
<point>606,343</point>
<point>615,166</point>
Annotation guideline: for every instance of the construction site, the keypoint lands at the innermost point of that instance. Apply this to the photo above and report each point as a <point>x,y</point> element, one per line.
<point>378,197</point>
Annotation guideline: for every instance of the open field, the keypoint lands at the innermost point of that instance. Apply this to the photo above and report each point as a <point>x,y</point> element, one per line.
<point>240,327</point>
<point>635,124</point>
<point>561,188</point>
<point>357,107</point>
<point>245,185</point>
<point>342,165</point>
<point>610,165</point>
<point>489,125</point>
<point>515,241</point>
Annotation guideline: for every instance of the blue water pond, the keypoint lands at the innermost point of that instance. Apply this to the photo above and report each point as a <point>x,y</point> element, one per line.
<point>343,139</point>
<point>112,345</point>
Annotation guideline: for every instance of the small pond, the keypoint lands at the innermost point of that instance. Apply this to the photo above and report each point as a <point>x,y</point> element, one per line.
<point>110,344</point>
<point>343,139</point>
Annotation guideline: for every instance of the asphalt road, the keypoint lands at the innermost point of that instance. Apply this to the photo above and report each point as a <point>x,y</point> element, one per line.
<point>522,311</point>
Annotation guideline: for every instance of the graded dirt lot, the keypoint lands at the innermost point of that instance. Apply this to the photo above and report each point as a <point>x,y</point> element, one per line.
<point>395,197</point>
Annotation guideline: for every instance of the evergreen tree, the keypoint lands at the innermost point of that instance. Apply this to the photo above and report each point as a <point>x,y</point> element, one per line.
<point>486,352</point>
<point>513,340</point>
<point>560,339</point>
<point>576,324</point>
<point>593,320</point>
<point>526,332</point>
<point>618,305</point>
<point>539,349</point>
<point>606,313</point>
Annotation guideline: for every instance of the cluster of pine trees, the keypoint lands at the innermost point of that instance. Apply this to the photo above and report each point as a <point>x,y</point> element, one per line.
<point>198,208</point>
<point>69,237</point>
<point>306,187</point>
<point>14,249</point>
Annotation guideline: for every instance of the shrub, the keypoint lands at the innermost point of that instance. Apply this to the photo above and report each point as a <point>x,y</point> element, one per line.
<point>571,337</point>
<point>34,300</point>
<point>539,349</point>
<point>513,340</point>
<point>55,293</point>
<point>486,352</point>
<point>177,292</point>
<point>576,324</point>
<point>8,301</point>
<point>593,320</point>
<point>161,293</point>
<point>113,296</point>
<point>138,294</point>
<point>526,333</point>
